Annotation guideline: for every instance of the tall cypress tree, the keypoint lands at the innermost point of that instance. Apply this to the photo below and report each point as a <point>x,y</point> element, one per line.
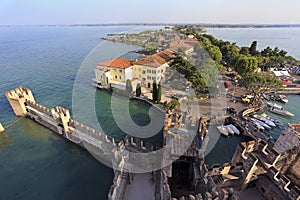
<point>154,91</point>
<point>252,48</point>
<point>128,86</point>
<point>159,92</point>
<point>138,90</point>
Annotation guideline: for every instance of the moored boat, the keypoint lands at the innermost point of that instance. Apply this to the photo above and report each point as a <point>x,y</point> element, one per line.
<point>268,122</point>
<point>281,112</point>
<point>266,97</point>
<point>283,98</point>
<point>275,105</point>
<point>257,125</point>
<point>264,124</point>
<point>235,129</point>
<point>275,121</point>
<point>223,130</point>
<point>229,130</point>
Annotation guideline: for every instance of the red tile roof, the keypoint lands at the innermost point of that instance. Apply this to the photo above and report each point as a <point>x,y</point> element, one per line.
<point>156,59</point>
<point>187,43</point>
<point>117,63</point>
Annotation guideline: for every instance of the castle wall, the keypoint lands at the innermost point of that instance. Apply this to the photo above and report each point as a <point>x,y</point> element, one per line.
<point>1,128</point>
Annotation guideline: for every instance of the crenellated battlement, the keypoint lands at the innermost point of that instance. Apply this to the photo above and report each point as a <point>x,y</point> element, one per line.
<point>17,98</point>
<point>137,144</point>
<point>260,148</point>
<point>226,168</point>
<point>20,92</point>
<point>39,107</point>
<point>283,183</point>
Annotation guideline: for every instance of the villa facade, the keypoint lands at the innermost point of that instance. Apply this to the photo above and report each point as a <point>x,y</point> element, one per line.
<point>114,72</point>
<point>145,70</point>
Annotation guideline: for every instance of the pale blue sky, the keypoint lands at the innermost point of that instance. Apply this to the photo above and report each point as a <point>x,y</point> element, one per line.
<point>28,12</point>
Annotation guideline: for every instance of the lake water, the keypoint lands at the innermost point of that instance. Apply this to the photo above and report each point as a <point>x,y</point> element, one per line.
<point>37,164</point>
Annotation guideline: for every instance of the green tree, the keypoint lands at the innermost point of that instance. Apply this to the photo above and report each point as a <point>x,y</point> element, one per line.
<point>159,92</point>
<point>154,91</point>
<point>267,52</point>
<point>282,53</point>
<point>245,64</point>
<point>138,90</point>
<point>230,53</point>
<point>128,86</point>
<point>252,49</point>
<point>215,53</point>
<point>245,51</point>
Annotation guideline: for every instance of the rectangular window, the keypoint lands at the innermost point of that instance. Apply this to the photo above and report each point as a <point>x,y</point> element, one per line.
<point>120,77</point>
<point>120,70</point>
<point>153,78</point>
<point>149,71</point>
<point>153,72</point>
<point>148,77</point>
<point>144,71</point>
<point>144,79</point>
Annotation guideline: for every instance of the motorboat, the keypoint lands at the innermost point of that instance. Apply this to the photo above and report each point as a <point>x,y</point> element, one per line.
<point>264,124</point>
<point>257,125</point>
<point>234,128</point>
<point>283,98</point>
<point>281,112</point>
<point>229,130</point>
<point>275,105</point>
<point>268,122</point>
<point>223,130</point>
<point>266,97</point>
<point>276,121</point>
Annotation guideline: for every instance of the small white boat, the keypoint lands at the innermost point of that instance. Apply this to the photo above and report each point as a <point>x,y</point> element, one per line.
<point>264,124</point>
<point>229,130</point>
<point>223,130</point>
<point>283,98</point>
<point>281,112</point>
<point>235,129</point>
<point>257,125</point>
<point>268,122</point>
<point>266,97</point>
<point>276,121</point>
<point>275,105</point>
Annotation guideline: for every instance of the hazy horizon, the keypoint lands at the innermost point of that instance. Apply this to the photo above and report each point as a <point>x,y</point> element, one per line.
<point>55,12</point>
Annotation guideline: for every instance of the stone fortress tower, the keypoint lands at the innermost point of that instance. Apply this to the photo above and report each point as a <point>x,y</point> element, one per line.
<point>17,98</point>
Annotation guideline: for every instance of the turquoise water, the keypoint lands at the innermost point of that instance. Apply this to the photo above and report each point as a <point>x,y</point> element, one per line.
<point>34,162</point>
